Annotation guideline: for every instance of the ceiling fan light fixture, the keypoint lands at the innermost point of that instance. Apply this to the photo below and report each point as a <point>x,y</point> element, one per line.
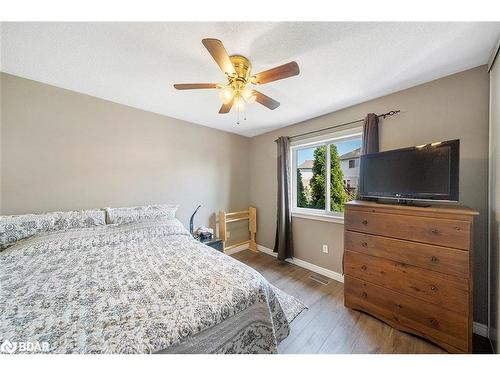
<point>240,104</point>
<point>252,99</point>
<point>248,95</point>
<point>226,94</point>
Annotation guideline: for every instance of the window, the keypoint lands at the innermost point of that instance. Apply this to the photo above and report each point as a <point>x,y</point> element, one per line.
<point>311,184</point>
<point>325,173</point>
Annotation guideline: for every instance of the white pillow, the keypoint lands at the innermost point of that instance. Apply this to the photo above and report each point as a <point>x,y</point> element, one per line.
<point>17,227</point>
<point>124,215</point>
<point>79,219</point>
<point>14,228</point>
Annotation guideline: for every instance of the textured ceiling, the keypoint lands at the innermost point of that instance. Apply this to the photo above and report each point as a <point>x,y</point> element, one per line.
<point>341,63</point>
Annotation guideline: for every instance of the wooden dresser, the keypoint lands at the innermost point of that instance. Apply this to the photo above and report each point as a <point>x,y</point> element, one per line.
<point>412,268</point>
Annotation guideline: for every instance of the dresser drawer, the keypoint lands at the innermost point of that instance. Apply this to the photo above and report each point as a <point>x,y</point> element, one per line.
<point>435,258</point>
<point>407,313</point>
<point>450,233</point>
<point>449,292</point>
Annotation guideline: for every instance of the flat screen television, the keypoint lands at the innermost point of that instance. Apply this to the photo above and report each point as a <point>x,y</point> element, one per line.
<point>426,172</point>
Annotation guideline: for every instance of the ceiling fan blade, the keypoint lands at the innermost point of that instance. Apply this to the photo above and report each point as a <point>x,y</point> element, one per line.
<point>218,52</point>
<point>194,86</point>
<point>280,72</point>
<point>226,107</point>
<point>265,100</point>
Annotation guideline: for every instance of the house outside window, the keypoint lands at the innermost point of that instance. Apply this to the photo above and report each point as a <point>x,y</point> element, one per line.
<point>349,162</point>
<point>325,173</point>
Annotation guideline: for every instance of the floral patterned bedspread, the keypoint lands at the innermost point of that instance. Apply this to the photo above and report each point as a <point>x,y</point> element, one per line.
<point>136,288</point>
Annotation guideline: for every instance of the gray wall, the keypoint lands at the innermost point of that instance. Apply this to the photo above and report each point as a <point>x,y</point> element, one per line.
<point>494,202</point>
<point>452,107</point>
<point>62,150</point>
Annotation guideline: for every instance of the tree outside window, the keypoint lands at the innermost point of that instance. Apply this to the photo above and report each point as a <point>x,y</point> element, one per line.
<point>312,173</point>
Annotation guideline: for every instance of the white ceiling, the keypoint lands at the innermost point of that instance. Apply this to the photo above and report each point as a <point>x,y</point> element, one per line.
<point>341,63</point>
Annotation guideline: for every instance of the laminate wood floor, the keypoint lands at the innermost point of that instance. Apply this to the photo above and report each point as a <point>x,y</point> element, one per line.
<point>329,327</point>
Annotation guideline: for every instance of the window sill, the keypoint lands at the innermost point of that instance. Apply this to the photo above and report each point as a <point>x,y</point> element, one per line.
<point>319,217</point>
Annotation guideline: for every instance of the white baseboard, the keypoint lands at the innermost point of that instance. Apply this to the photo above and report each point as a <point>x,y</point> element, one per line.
<point>322,271</point>
<point>308,266</point>
<point>266,250</point>
<point>237,249</point>
<point>478,328</point>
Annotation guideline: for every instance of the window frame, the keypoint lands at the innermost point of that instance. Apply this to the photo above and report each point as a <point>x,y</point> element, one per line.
<point>323,140</point>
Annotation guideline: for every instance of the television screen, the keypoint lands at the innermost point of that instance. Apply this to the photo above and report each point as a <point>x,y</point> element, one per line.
<point>428,172</point>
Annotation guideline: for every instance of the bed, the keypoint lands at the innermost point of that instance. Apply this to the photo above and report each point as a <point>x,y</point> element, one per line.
<point>140,287</point>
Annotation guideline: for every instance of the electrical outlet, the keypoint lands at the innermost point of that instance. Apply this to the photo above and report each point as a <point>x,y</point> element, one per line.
<point>228,234</point>
<point>325,249</point>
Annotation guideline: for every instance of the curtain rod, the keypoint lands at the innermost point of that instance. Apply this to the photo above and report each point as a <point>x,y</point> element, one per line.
<point>384,115</point>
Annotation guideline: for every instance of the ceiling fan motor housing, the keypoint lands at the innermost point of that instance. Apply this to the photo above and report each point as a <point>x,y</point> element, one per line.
<point>243,68</point>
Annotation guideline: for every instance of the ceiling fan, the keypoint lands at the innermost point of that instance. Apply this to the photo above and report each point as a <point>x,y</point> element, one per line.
<point>238,70</point>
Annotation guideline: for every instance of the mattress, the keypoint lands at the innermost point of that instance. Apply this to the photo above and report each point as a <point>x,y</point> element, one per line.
<point>145,287</point>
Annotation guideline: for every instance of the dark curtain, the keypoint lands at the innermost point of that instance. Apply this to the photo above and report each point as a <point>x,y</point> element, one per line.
<point>369,145</point>
<point>283,243</point>
<point>370,141</point>
<point>370,134</point>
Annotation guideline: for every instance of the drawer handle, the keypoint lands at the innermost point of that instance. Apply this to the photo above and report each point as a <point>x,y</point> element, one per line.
<point>435,231</point>
<point>434,259</point>
<point>364,222</point>
<point>364,294</point>
<point>434,288</point>
<point>363,267</point>
<point>364,244</point>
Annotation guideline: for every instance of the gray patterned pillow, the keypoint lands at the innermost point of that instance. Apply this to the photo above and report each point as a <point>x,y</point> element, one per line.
<point>79,219</point>
<point>17,227</point>
<point>124,215</point>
